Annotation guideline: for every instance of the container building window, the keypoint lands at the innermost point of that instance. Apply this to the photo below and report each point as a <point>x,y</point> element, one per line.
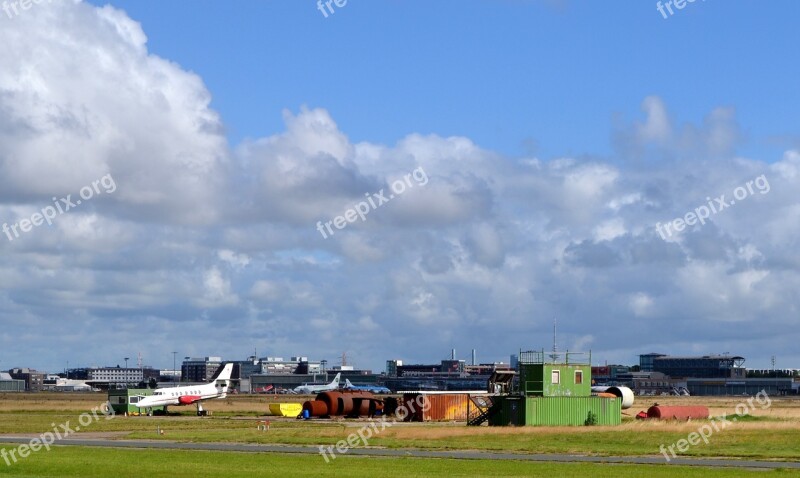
<point>555,377</point>
<point>578,377</point>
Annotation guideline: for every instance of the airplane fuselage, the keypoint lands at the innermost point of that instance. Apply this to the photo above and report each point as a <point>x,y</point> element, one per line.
<point>180,396</point>
<point>310,389</point>
<point>191,394</point>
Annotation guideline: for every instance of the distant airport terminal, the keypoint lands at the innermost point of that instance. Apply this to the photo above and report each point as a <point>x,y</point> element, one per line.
<point>656,374</point>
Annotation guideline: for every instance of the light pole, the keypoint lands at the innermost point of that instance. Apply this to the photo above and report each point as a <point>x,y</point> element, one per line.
<point>187,369</point>
<point>173,365</point>
<point>774,375</point>
<point>126,372</point>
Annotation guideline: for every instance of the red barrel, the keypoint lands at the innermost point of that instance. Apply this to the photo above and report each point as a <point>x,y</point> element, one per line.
<point>677,412</point>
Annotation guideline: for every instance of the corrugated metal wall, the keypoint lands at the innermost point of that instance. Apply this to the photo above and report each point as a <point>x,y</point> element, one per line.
<point>440,407</point>
<point>556,411</point>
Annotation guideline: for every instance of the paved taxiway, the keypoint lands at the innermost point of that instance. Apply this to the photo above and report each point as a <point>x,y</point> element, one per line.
<point>385,452</point>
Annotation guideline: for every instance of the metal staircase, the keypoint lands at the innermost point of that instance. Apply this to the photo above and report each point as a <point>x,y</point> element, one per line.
<point>481,408</point>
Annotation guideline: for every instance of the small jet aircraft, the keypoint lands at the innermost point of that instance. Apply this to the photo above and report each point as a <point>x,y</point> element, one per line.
<point>307,389</point>
<point>365,388</point>
<point>190,395</point>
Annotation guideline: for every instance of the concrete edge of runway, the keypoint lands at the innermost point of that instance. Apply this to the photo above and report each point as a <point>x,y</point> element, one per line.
<point>413,453</point>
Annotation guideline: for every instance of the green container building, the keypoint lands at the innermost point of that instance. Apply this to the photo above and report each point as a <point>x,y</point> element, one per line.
<point>555,411</point>
<point>556,379</point>
<point>558,411</point>
<point>124,400</point>
<point>555,390</point>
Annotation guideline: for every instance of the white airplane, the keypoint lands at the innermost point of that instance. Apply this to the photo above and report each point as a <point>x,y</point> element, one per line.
<point>309,389</point>
<point>192,394</point>
<point>365,388</point>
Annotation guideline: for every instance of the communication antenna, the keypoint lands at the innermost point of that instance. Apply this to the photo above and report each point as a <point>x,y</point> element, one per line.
<point>554,356</point>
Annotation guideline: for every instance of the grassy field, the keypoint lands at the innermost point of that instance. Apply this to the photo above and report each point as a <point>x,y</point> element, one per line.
<point>770,433</point>
<point>90,462</point>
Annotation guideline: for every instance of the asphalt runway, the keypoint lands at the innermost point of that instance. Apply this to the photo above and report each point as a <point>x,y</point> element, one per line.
<point>412,453</point>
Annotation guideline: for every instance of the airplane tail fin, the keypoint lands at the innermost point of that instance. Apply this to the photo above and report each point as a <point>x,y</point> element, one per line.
<point>222,379</point>
<point>336,379</point>
<point>347,383</point>
<point>224,372</point>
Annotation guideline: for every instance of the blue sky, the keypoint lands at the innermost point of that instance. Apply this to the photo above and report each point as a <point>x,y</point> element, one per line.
<point>555,139</point>
<point>511,75</point>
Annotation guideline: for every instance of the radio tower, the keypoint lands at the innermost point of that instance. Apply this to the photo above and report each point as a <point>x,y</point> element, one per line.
<point>554,356</point>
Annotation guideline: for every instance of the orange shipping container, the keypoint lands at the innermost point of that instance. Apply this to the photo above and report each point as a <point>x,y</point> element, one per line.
<point>436,407</point>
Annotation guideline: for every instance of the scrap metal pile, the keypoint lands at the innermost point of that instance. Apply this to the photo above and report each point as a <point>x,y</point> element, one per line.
<point>345,403</point>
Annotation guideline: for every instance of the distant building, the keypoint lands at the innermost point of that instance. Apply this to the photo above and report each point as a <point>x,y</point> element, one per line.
<point>411,370</point>
<point>391,367</point>
<point>646,361</point>
<point>115,376</point>
<point>198,370</point>
<point>743,387</point>
<point>33,379</point>
<point>295,365</point>
<point>447,375</point>
<point>651,383</point>
<point>77,374</point>
<point>356,376</point>
<point>514,361</point>
<point>773,373</point>
<point>608,374</point>
<point>169,375</point>
<point>485,368</point>
<point>706,366</point>
<point>246,368</point>
<point>276,373</point>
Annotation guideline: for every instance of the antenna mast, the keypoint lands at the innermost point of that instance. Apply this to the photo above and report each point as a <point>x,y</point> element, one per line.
<point>554,356</point>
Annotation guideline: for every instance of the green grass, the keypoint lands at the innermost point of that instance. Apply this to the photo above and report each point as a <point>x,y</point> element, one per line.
<point>736,441</point>
<point>100,462</point>
<point>745,440</point>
